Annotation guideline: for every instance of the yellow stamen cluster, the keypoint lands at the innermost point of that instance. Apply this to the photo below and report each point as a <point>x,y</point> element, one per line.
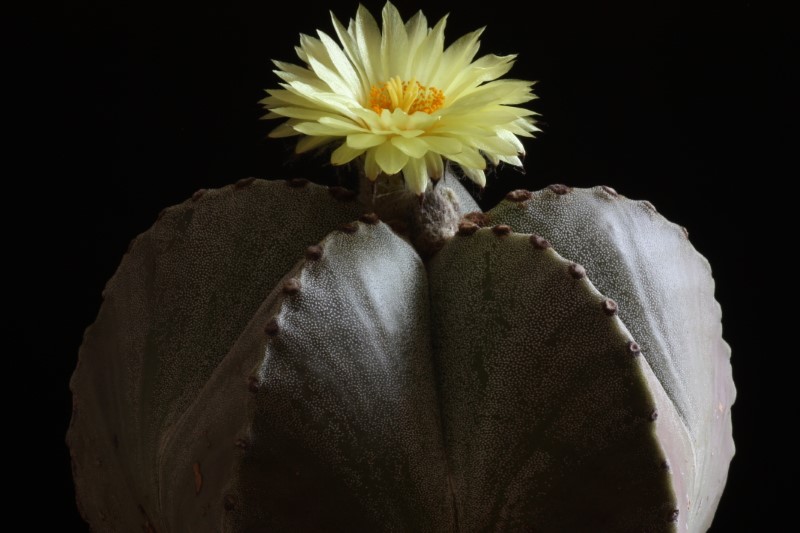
<point>409,96</point>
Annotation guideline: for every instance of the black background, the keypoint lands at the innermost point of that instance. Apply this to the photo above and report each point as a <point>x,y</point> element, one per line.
<point>136,107</point>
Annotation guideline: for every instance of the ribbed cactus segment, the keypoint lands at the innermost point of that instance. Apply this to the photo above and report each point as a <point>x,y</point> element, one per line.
<point>181,297</point>
<point>665,294</point>
<point>343,430</point>
<point>547,414</point>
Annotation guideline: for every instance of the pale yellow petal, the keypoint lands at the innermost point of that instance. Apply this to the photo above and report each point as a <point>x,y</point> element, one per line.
<point>371,167</point>
<point>284,130</point>
<point>421,121</point>
<point>389,158</point>
<point>512,160</point>
<point>417,29</point>
<point>493,158</point>
<point>443,145</point>
<point>365,140</point>
<point>463,50</point>
<point>309,143</point>
<point>476,175</point>
<point>302,113</point>
<point>325,67</point>
<point>289,73</point>
<point>316,128</point>
<point>342,124</point>
<point>325,100</point>
<point>370,120</point>
<point>495,145</point>
<point>487,118</point>
<point>301,53</point>
<point>345,154</point>
<point>457,58</point>
<point>435,165</point>
<point>351,50</point>
<point>523,126</point>
<point>486,68</point>
<point>394,120</point>
<point>511,138</point>
<point>314,48</point>
<point>468,157</point>
<point>283,97</point>
<point>414,147</point>
<point>334,81</point>
<point>394,43</point>
<point>368,41</point>
<point>407,133</point>
<point>344,67</point>
<point>429,54</point>
<point>415,174</point>
<point>506,92</point>
<point>398,122</point>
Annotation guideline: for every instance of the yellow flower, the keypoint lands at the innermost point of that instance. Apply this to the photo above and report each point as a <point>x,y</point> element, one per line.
<point>400,101</point>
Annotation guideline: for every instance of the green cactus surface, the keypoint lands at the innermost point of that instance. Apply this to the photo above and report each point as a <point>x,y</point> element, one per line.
<point>268,357</point>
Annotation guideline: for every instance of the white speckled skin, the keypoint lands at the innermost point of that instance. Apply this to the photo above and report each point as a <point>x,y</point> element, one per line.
<point>666,299</point>
<point>233,383</point>
<point>178,302</point>
<point>344,429</point>
<point>546,410</point>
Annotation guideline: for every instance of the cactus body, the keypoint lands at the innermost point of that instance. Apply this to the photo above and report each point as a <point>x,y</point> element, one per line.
<point>263,361</point>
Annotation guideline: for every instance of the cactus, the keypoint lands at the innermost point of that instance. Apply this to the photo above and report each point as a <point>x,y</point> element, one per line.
<point>259,364</point>
<point>282,356</point>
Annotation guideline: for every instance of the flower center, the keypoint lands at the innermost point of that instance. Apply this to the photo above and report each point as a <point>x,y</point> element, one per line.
<point>409,96</point>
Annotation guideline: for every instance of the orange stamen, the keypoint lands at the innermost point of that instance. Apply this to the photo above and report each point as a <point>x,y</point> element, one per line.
<point>409,96</point>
